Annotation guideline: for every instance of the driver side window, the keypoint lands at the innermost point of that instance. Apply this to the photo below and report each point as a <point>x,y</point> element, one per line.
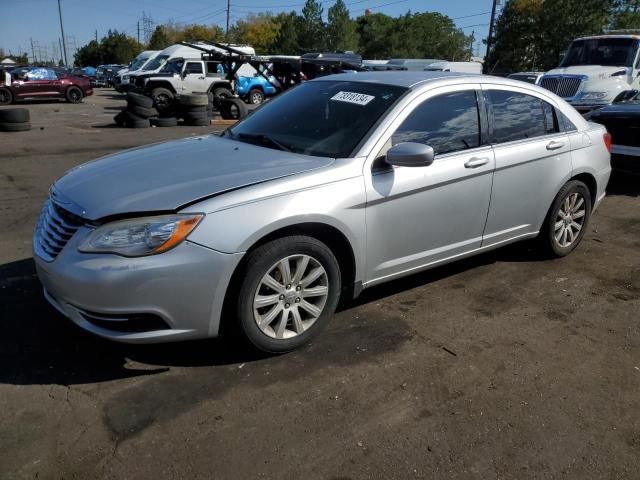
<point>449,123</point>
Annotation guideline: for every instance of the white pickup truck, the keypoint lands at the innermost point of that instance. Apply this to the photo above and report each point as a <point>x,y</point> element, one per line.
<point>597,71</point>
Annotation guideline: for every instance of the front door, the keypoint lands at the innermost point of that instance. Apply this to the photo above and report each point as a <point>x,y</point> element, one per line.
<point>193,79</point>
<point>419,216</point>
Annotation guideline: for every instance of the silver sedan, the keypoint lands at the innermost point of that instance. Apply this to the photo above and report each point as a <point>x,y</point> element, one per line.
<point>340,184</point>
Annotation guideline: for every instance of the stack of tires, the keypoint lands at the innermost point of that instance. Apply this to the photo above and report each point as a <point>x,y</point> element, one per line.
<point>138,113</point>
<point>232,109</point>
<point>194,109</point>
<point>14,120</point>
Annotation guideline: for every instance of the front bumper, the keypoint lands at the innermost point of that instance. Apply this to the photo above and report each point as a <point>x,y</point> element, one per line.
<point>184,287</point>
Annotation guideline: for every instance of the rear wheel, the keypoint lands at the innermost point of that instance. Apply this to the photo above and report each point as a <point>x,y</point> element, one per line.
<point>6,97</point>
<point>567,219</point>
<point>220,94</point>
<point>74,95</point>
<point>290,288</point>
<point>256,96</point>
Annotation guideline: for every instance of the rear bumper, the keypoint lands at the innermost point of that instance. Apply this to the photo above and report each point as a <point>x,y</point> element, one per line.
<point>625,158</point>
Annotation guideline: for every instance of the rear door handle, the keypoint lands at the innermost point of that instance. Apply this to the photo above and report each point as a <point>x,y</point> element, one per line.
<point>555,145</point>
<point>476,162</point>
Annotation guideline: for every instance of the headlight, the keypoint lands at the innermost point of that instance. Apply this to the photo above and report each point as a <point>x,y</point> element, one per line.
<point>594,95</point>
<point>137,237</point>
<point>125,77</point>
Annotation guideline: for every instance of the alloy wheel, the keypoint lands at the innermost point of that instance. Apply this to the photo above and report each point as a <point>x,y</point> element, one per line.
<point>291,296</point>
<point>570,219</point>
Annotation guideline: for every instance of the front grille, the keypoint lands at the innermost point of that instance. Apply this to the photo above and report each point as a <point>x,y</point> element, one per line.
<point>55,228</point>
<point>565,87</point>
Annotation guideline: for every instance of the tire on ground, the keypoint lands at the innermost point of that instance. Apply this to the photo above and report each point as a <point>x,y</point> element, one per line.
<point>194,99</point>
<point>233,109</point>
<point>140,100</point>
<point>143,111</point>
<point>257,264</point>
<point>548,232</point>
<point>15,127</point>
<point>197,122</point>
<point>164,121</point>
<point>14,115</point>
<point>133,121</point>
<point>74,94</point>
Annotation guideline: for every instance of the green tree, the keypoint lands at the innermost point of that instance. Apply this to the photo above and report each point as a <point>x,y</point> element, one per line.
<point>193,33</point>
<point>286,42</point>
<point>626,14</point>
<point>159,39</point>
<point>341,30</point>
<point>260,31</point>
<point>90,54</point>
<point>312,30</point>
<point>375,32</point>
<point>115,47</point>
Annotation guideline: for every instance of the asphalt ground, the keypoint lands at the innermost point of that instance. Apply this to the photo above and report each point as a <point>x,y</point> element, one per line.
<point>504,366</point>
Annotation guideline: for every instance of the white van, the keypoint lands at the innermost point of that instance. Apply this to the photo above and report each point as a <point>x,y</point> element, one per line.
<point>121,80</point>
<point>411,64</point>
<point>461,67</point>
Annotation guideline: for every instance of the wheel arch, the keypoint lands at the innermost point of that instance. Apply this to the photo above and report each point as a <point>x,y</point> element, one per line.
<point>590,181</point>
<point>220,84</point>
<point>331,236</point>
<point>150,86</point>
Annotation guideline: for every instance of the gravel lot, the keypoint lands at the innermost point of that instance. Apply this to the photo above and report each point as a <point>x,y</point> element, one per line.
<point>505,366</point>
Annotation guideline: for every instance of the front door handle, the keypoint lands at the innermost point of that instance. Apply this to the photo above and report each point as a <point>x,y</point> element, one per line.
<point>555,145</point>
<point>200,78</point>
<point>476,162</point>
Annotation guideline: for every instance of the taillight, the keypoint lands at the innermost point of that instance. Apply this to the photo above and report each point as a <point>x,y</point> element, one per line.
<point>607,141</point>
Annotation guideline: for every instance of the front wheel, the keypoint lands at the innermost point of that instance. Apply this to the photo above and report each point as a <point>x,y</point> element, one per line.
<point>74,95</point>
<point>6,97</point>
<point>289,291</point>
<point>163,99</point>
<point>567,219</point>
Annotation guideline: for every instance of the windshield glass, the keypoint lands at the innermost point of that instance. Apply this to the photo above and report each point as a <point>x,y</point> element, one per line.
<point>156,63</point>
<point>610,52</point>
<point>138,63</point>
<point>321,118</point>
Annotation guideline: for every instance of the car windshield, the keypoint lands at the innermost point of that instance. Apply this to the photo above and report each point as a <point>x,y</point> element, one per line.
<point>156,63</point>
<point>321,118</point>
<point>138,63</point>
<point>611,52</point>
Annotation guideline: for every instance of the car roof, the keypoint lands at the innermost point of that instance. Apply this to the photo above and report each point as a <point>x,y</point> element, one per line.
<point>399,78</point>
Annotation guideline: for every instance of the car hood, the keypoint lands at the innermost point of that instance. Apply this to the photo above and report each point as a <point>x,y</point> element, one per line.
<point>167,176</point>
<point>593,72</point>
<point>618,110</point>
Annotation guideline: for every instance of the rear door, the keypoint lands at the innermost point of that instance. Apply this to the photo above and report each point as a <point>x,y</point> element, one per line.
<point>533,159</point>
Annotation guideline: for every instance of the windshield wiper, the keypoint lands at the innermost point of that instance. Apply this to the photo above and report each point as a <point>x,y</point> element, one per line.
<point>262,138</point>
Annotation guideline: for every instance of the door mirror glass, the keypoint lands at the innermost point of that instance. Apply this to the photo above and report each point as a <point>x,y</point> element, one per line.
<point>410,154</point>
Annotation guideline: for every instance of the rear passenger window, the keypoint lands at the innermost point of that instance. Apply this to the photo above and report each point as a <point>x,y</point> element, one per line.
<point>194,68</point>
<point>516,116</point>
<point>447,123</point>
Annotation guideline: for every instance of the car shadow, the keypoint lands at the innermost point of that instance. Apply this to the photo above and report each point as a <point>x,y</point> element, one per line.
<point>622,183</point>
<point>38,345</point>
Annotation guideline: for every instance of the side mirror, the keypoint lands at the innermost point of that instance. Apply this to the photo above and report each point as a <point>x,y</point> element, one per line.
<point>410,155</point>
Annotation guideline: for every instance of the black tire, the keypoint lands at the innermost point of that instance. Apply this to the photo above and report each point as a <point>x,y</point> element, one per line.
<point>14,115</point>
<point>261,261</point>
<point>142,111</point>
<point>163,99</point>
<point>197,122</point>
<point>140,100</point>
<point>220,94</point>
<point>195,116</point>
<point>164,121</point>
<point>133,121</point>
<point>552,245</point>
<point>120,119</point>
<point>194,100</point>
<point>233,109</point>
<point>255,97</point>
<point>74,94</point>
<point>6,97</point>
<point>15,127</point>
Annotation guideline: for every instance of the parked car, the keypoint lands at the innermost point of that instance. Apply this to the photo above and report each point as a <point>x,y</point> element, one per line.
<point>461,67</point>
<point>105,74</point>
<point>597,71</point>
<point>254,89</point>
<point>622,120</point>
<point>337,185</point>
<point>528,77</point>
<point>43,83</point>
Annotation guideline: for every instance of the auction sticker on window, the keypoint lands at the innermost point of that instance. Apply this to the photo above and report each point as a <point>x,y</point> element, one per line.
<point>352,97</point>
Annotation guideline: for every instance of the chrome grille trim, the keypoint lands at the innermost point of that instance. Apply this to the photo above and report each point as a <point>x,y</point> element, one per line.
<point>565,86</point>
<point>55,228</point>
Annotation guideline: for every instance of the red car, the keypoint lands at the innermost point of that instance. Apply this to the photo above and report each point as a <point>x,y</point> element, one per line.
<point>42,83</point>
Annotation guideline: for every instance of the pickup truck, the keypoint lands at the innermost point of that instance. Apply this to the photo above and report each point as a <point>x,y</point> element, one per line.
<point>597,71</point>
<point>254,89</point>
<point>182,76</point>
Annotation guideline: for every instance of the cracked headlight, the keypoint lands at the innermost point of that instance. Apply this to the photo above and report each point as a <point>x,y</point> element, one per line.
<point>138,237</point>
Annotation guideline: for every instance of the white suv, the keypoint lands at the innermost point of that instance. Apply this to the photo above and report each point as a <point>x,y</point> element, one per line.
<point>597,71</point>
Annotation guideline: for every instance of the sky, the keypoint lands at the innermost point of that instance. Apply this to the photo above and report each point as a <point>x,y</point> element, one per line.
<point>27,21</point>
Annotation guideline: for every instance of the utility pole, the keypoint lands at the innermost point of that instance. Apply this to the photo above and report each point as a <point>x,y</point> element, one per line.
<point>96,35</point>
<point>64,40</point>
<point>33,53</point>
<point>60,43</point>
<point>493,20</point>
<point>138,31</point>
<point>228,14</point>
